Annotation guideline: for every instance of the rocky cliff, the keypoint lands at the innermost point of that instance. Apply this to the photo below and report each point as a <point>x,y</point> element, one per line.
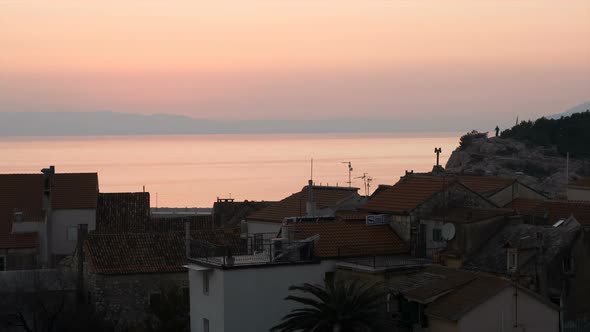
<point>539,167</point>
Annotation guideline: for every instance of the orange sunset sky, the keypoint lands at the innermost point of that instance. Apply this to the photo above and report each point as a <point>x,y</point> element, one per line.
<point>295,59</point>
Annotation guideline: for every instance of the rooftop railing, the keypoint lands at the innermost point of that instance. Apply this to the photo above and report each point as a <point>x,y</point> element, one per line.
<point>253,250</point>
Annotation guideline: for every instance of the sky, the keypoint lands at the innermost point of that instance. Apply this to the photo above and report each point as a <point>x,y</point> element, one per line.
<point>296,59</point>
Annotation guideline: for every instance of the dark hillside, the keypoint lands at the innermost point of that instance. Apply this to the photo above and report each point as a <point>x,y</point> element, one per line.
<point>569,134</point>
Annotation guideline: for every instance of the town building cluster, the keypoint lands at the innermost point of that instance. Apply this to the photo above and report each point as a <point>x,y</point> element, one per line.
<point>454,252</point>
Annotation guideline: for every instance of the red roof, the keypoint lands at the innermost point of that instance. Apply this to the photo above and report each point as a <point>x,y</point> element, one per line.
<point>553,210</point>
<point>151,252</point>
<point>74,191</point>
<point>406,195</point>
<point>350,239</point>
<point>24,193</point>
<point>485,185</point>
<point>295,205</point>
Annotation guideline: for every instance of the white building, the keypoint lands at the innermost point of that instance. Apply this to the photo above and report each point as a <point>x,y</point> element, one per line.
<point>40,214</point>
<point>319,202</point>
<point>244,291</point>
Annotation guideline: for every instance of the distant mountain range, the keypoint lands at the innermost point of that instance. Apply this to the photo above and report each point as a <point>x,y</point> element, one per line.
<point>113,123</point>
<point>576,109</point>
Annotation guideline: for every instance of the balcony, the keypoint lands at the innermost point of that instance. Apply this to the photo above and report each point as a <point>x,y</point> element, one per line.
<point>258,249</point>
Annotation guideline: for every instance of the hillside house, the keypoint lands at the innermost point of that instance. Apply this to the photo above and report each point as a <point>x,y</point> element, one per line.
<point>444,299</point>
<point>550,213</point>
<point>40,214</point>
<point>500,190</point>
<point>409,203</point>
<point>456,232</point>
<point>319,202</point>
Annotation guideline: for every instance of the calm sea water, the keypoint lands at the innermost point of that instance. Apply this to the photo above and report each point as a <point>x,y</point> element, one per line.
<point>195,170</point>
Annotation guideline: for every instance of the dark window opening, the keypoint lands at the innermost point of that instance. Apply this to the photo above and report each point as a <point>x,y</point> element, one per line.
<point>437,235</point>
<point>206,282</point>
<point>205,325</point>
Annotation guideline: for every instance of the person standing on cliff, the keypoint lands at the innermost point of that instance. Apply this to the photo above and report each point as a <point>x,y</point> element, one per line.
<point>497,131</point>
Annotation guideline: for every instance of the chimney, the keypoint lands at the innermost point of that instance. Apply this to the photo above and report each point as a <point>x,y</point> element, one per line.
<point>82,231</point>
<point>47,187</point>
<point>310,206</point>
<point>187,238</point>
<point>285,230</point>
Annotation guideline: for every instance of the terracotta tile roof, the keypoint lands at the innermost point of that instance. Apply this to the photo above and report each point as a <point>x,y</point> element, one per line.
<point>465,215</point>
<point>295,205</point>
<point>352,238</point>
<point>130,213</point>
<point>406,195</point>
<point>153,252</point>
<point>449,293</point>
<point>122,212</point>
<point>24,193</point>
<point>553,210</point>
<point>457,303</point>
<point>485,185</point>
<point>74,191</point>
<point>232,213</point>
<point>17,241</point>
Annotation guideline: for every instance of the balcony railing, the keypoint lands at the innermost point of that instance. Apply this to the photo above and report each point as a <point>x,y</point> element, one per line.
<point>252,250</point>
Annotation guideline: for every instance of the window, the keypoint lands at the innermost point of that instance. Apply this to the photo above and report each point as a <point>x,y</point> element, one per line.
<point>206,282</point>
<point>568,265</point>
<point>258,242</point>
<point>2,263</point>
<point>512,260</point>
<point>72,233</point>
<point>205,325</point>
<point>437,234</point>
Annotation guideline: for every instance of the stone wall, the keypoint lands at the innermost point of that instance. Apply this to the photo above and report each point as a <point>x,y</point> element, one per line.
<point>36,281</point>
<point>125,299</point>
<point>402,225</point>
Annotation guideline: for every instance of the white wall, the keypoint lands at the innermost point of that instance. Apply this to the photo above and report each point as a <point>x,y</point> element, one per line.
<point>209,306</point>
<point>61,219</point>
<point>576,194</point>
<point>256,227</point>
<point>249,299</point>
<point>508,194</point>
<point>430,226</point>
<point>498,314</point>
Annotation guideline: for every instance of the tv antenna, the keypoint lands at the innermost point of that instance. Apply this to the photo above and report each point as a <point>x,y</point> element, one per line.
<point>349,173</point>
<point>367,182</point>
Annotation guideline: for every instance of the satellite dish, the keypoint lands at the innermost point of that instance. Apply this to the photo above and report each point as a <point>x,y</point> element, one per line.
<point>448,231</point>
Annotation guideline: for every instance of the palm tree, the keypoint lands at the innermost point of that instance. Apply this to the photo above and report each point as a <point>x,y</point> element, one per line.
<point>344,306</point>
